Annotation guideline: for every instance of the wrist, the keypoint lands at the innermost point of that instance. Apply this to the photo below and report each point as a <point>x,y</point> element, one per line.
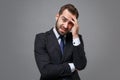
<point>72,67</point>
<point>75,36</point>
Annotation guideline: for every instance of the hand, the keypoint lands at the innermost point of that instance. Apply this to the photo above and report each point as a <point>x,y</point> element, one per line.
<point>75,28</point>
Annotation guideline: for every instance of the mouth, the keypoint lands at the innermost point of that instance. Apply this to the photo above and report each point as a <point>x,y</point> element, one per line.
<point>63,29</point>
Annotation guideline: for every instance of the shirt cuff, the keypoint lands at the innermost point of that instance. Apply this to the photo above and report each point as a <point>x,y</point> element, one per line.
<point>76,41</point>
<point>72,67</point>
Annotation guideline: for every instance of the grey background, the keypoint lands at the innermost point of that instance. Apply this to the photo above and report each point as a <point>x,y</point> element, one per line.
<point>20,20</point>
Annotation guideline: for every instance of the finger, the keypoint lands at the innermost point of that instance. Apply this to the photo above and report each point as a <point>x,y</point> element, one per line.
<point>74,20</point>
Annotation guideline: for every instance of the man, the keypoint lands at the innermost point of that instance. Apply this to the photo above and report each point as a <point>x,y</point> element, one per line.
<point>59,53</point>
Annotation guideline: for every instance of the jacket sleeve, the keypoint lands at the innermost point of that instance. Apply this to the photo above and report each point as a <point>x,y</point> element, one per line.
<point>46,68</point>
<point>79,58</point>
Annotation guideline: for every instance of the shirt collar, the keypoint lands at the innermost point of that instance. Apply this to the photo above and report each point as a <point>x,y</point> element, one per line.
<point>56,33</point>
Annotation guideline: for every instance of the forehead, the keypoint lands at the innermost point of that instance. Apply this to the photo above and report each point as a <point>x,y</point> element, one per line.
<point>68,15</point>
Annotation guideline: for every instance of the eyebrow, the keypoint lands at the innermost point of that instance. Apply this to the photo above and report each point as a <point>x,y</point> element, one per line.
<point>64,17</point>
<point>67,19</point>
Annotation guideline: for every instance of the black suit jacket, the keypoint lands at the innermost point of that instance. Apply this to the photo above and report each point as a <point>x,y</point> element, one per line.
<point>50,61</point>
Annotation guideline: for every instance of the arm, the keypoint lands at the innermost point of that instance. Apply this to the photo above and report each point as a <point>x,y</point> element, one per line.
<point>79,58</point>
<point>46,68</point>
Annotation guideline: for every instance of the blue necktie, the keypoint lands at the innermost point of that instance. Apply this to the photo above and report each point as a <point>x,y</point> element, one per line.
<point>62,46</point>
<point>62,43</point>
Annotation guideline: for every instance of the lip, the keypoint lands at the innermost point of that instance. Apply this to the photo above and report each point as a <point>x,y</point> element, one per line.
<point>62,29</point>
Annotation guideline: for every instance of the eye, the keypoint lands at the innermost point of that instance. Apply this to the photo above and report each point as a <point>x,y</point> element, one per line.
<point>64,19</point>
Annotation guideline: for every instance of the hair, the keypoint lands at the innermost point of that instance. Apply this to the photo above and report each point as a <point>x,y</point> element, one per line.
<point>71,8</point>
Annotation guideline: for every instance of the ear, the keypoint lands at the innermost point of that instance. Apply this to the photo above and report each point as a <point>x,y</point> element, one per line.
<point>57,16</point>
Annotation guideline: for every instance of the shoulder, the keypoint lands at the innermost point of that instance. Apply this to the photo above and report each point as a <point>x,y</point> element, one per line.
<point>40,39</point>
<point>43,35</point>
<point>40,36</point>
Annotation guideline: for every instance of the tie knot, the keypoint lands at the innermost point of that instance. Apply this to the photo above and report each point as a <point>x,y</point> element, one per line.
<point>61,37</point>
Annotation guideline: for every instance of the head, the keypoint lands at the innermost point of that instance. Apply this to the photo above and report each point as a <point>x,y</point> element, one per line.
<point>64,18</point>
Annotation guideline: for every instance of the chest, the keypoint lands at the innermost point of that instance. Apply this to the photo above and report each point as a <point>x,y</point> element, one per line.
<point>54,51</point>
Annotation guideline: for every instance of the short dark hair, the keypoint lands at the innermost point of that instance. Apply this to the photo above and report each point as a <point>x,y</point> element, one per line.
<point>71,8</point>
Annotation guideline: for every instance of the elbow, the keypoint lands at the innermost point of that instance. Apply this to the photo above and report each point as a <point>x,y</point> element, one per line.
<point>45,75</point>
<point>81,65</point>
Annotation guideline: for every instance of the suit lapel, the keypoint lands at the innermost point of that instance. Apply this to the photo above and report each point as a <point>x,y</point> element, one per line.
<point>68,47</point>
<point>53,44</point>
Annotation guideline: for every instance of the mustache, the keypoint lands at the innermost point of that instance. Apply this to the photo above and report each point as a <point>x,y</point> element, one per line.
<point>63,27</point>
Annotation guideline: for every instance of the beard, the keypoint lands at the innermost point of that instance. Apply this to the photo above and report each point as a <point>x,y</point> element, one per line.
<point>60,27</point>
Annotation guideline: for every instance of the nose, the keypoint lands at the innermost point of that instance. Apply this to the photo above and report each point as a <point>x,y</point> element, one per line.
<point>65,24</point>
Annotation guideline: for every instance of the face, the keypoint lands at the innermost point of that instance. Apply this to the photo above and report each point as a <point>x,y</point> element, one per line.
<point>64,22</point>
